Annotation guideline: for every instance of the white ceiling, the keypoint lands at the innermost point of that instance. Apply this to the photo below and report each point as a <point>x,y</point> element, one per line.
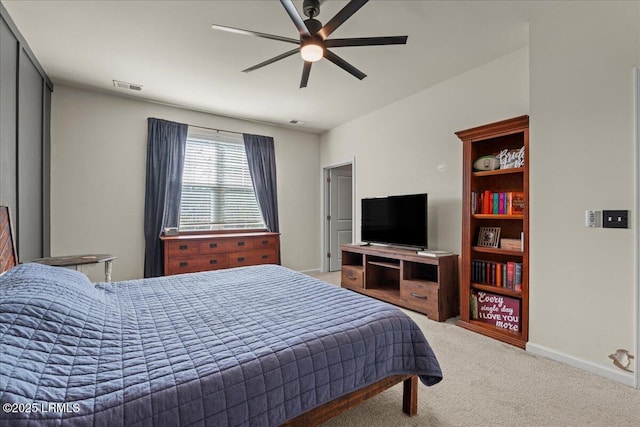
<point>170,49</point>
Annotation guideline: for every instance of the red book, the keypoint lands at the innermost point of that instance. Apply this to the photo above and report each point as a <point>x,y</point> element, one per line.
<point>486,203</point>
<point>510,274</point>
<point>517,203</point>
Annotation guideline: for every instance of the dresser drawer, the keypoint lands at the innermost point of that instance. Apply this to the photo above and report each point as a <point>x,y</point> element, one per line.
<point>180,265</point>
<point>182,248</point>
<point>421,297</point>
<point>352,277</point>
<point>266,242</point>
<point>215,246</point>
<point>213,261</point>
<point>240,244</point>
<point>238,259</point>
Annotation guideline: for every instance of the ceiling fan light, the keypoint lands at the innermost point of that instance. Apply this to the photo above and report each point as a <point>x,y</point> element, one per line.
<point>311,52</point>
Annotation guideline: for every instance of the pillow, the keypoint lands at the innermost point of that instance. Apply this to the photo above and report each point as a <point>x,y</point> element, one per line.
<point>47,280</point>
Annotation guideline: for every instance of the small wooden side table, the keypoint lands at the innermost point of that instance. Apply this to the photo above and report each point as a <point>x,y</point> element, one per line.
<point>76,260</point>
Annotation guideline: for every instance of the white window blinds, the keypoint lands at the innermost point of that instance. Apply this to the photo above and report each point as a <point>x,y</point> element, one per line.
<point>217,193</point>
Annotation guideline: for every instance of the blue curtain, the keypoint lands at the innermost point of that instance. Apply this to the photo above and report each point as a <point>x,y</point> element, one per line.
<point>261,157</point>
<point>166,143</point>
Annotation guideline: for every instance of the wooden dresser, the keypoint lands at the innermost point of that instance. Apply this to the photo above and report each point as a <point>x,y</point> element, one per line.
<point>190,253</point>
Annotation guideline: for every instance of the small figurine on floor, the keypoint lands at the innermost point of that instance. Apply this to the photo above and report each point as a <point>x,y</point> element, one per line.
<point>622,359</point>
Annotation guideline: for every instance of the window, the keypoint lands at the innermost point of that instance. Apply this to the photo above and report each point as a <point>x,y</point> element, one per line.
<point>217,192</point>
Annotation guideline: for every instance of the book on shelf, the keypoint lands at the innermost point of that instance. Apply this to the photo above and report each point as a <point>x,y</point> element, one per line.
<point>517,277</point>
<point>434,253</point>
<point>517,203</point>
<point>507,275</point>
<point>497,203</point>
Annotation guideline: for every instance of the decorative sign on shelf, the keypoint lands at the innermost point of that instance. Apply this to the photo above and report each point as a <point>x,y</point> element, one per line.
<point>511,158</point>
<point>497,310</point>
<point>489,237</point>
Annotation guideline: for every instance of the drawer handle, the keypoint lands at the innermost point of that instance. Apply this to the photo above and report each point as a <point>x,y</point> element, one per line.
<point>265,242</point>
<point>183,247</point>
<point>265,256</point>
<point>213,261</point>
<point>240,243</point>
<point>351,276</point>
<point>183,263</point>
<point>413,294</point>
<point>213,245</point>
<point>241,259</point>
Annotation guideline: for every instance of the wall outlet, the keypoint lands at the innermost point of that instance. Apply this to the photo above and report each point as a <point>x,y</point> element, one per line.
<point>592,219</point>
<point>615,219</point>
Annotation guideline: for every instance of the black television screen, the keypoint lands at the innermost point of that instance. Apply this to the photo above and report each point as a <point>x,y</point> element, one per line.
<point>395,220</point>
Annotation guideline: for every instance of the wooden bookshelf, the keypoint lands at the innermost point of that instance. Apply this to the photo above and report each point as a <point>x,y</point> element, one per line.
<point>480,141</point>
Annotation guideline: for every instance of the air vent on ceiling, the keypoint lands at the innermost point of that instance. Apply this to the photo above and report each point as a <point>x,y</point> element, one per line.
<point>297,122</point>
<point>125,85</point>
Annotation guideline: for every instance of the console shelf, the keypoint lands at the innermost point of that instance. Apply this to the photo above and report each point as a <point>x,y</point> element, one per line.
<point>401,277</point>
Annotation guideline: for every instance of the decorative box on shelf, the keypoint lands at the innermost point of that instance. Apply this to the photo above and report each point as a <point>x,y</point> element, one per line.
<point>511,244</point>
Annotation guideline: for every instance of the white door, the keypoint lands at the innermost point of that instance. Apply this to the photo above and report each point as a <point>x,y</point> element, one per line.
<point>340,213</point>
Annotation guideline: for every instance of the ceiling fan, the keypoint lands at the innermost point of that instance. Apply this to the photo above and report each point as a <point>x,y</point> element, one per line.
<point>314,42</point>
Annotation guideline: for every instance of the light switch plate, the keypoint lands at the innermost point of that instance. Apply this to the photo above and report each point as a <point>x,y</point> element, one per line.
<point>615,219</point>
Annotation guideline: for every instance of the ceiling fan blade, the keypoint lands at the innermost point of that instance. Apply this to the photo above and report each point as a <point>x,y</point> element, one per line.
<point>254,33</point>
<point>305,74</point>
<point>272,60</point>
<point>295,17</point>
<point>346,12</point>
<point>366,41</point>
<point>344,64</point>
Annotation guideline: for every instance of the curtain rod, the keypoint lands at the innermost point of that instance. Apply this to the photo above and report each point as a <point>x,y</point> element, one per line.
<point>217,130</point>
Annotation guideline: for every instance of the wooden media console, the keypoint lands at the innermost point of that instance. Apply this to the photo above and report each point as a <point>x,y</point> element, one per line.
<point>428,285</point>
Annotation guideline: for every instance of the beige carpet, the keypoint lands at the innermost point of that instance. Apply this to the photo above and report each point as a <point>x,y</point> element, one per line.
<point>488,383</point>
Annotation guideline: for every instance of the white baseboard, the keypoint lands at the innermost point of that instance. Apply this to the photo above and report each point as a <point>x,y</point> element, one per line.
<point>626,378</point>
<point>316,270</point>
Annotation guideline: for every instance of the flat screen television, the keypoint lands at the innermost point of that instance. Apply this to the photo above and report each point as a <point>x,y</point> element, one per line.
<point>395,220</point>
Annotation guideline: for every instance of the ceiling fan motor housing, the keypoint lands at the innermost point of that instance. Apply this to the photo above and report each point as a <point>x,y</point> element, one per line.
<point>311,8</point>
<point>313,25</point>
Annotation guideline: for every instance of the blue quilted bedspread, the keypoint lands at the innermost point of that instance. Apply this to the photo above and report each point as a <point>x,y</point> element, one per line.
<point>248,346</point>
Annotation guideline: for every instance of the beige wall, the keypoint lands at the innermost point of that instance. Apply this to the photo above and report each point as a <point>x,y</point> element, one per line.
<point>578,72</point>
<point>582,157</point>
<point>410,146</point>
<point>98,155</point>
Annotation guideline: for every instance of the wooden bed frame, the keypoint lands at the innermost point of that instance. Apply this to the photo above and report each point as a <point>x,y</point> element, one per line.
<point>8,254</point>
<point>9,259</point>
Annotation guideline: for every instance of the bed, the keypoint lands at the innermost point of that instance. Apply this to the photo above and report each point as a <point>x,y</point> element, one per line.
<point>259,346</point>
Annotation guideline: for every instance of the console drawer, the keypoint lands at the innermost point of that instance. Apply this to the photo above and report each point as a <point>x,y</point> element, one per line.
<point>422,297</point>
<point>352,277</point>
